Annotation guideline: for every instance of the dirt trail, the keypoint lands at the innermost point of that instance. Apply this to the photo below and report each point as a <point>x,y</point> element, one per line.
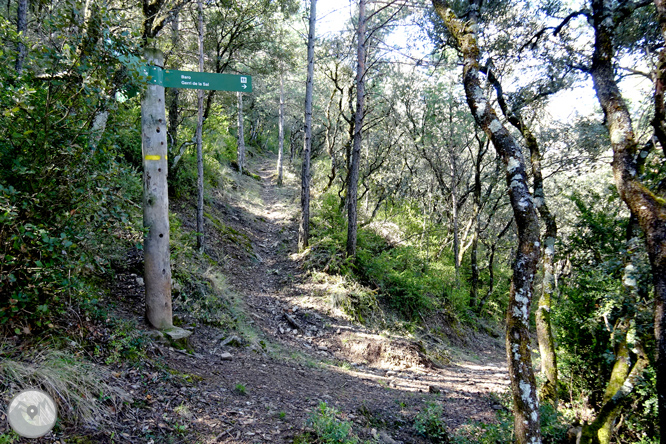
<point>304,354</point>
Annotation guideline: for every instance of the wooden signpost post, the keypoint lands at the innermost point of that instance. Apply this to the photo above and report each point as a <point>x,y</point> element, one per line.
<point>157,261</point>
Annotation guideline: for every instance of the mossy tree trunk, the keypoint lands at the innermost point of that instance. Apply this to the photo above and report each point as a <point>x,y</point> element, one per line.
<point>542,319</point>
<point>648,208</point>
<point>622,381</point>
<point>659,119</point>
<point>600,430</point>
<point>523,384</point>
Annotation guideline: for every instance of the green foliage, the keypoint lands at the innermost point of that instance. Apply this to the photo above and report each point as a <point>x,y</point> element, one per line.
<point>240,389</point>
<point>398,272</point>
<point>553,427</point>
<point>126,343</point>
<point>640,425</point>
<point>429,423</point>
<point>328,429</point>
<point>593,305</point>
<point>406,280</point>
<point>8,438</point>
<point>62,202</point>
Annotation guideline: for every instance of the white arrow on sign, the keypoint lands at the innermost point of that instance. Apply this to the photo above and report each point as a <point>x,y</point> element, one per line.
<point>244,86</point>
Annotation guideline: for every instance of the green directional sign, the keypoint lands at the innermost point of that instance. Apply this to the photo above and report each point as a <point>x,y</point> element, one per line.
<point>171,78</point>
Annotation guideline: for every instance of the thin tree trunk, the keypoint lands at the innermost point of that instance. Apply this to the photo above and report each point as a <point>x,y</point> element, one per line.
<point>200,106</point>
<point>648,208</point>
<point>240,153</point>
<point>173,98</point>
<point>330,148</point>
<point>352,184</point>
<point>474,264</point>
<point>304,226</point>
<point>454,193</point>
<point>491,265</point>
<point>21,28</point>
<point>544,329</point>
<point>280,130</point>
<point>523,384</point>
<point>454,215</point>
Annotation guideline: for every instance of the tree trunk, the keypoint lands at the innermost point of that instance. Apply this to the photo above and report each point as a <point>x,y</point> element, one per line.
<point>622,381</point>
<point>600,430</point>
<point>157,262</point>
<point>21,28</point>
<point>352,184</point>
<point>240,153</point>
<point>474,264</point>
<point>304,226</point>
<point>523,384</point>
<point>454,194</point>
<point>542,319</point>
<point>280,130</point>
<point>543,324</point>
<point>454,215</point>
<point>200,106</point>
<point>98,126</point>
<point>659,119</point>
<point>173,99</point>
<point>330,146</point>
<point>649,209</point>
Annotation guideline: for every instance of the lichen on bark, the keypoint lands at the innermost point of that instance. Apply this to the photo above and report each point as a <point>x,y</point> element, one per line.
<point>523,384</point>
<point>648,208</point>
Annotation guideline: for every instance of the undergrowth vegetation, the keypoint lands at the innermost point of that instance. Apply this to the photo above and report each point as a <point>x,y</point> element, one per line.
<point>84,393</point>
<point>327,428</point>
<point>404,276</point>
<point>554,426</point>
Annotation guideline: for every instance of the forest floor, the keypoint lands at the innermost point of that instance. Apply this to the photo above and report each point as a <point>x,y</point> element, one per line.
<point>291,350</point>
<point>309,353</point>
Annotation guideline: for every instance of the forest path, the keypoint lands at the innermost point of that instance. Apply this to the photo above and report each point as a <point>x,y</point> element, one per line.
<point>301,351</point>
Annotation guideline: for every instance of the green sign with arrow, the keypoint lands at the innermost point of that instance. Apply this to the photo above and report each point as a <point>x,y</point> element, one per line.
<point>171,78</point>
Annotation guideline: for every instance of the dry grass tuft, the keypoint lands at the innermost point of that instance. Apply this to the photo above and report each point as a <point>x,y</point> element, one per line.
<point>79,389</point>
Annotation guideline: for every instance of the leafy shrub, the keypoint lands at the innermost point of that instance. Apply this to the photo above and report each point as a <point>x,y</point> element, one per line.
<point>593,302</point>
<point>63,197</point>
<point>553,426</point>
<point>328,429</point>
<point>398,272</point>
<point>126,343</point>
<point>428,423</point>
